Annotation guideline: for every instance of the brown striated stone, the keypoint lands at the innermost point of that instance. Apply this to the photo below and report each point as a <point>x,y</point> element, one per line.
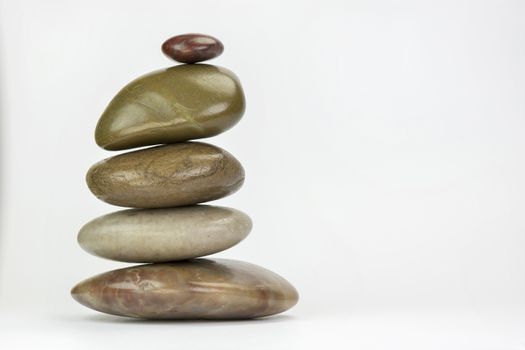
<point>194,289</point>
<point>166,176</point>
<point>192,48</point>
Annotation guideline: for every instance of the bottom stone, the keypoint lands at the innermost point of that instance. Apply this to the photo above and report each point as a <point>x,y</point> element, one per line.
<point>193,289</point>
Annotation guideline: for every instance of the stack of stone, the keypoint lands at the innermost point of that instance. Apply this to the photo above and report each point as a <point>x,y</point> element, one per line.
<point>168,230</point>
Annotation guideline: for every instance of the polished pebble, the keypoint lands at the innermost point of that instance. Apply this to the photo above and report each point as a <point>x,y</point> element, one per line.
<point>166,176</point>
<point>159,235</point>
<point>192,48</point>
<point>177,104</point>
<point>194,289</point>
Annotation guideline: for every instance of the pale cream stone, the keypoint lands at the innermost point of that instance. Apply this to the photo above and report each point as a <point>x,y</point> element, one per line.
<point>168,234</point>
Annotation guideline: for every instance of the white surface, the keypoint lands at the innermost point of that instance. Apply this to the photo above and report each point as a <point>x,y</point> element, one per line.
<point>386,329</point>
<point>383,146</point>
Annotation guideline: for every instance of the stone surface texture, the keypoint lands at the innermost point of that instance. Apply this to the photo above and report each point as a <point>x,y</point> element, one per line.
<point>177,104</point>
<point>166,176</point>
<point>194,289</point>
<point>160,235</point>
<point>192,48</point>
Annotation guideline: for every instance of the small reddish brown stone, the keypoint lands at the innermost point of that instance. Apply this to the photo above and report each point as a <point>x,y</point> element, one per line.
<point>192,48</point>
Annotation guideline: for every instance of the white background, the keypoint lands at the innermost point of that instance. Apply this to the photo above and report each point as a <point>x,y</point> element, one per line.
<point>384,151</point>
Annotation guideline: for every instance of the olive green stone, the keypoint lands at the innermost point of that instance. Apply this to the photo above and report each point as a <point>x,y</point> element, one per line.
<point>166,176</point>
<point>177,104</point>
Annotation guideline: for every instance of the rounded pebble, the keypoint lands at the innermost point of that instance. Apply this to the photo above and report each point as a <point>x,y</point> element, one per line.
<point>166,176</point>
<point>160,235</point>
<point>177,104</point>
<point>192,48</point>
<point>194,289</point>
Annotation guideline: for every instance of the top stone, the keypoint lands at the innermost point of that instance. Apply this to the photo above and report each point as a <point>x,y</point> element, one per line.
<point>192,48</point>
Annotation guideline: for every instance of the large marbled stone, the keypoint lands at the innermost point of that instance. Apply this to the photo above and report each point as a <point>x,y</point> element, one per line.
<point>159,235</point>
<point>195,289</point>
<point>166,176</point>
<point>177,104</point>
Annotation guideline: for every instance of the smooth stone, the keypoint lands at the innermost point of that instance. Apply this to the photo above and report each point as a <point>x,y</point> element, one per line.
<point>194,289</point>
<point>192,48</point>
<point>177,104</point>
<point>160,235</point>
<point>166,176</point>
